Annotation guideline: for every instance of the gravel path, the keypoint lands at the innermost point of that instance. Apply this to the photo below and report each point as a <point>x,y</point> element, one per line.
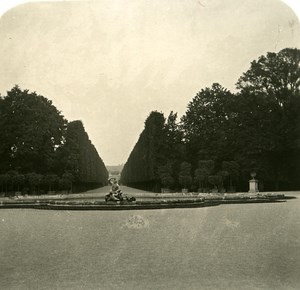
<point>125,189</point>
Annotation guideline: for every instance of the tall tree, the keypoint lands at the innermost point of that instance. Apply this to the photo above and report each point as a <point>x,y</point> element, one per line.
<point>31,130</point>
<point>276,74</point>
<point>206,124</point>
<point>268,117</point>
<point>79,158</point>
<point>141,168</point>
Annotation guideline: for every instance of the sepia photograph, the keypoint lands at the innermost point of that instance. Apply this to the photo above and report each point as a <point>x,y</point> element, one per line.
<point>150,145</point>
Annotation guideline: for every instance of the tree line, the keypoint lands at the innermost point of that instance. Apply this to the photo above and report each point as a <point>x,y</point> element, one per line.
<point>40,151</point>
<point>224,136</point>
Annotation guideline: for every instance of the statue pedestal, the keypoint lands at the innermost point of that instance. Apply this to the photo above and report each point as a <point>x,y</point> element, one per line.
<point>253,186</point>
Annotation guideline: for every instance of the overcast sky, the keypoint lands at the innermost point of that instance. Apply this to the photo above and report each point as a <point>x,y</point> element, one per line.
<point>110,63</point>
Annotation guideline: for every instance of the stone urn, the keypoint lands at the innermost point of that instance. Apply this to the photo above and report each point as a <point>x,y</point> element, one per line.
<point>253,183</point>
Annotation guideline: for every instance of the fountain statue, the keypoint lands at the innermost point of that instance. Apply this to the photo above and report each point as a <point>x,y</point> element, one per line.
<point>253,183</point>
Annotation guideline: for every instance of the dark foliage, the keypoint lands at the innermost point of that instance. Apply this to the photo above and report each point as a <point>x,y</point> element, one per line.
<point>256,129</point>
<point>40,151</point>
